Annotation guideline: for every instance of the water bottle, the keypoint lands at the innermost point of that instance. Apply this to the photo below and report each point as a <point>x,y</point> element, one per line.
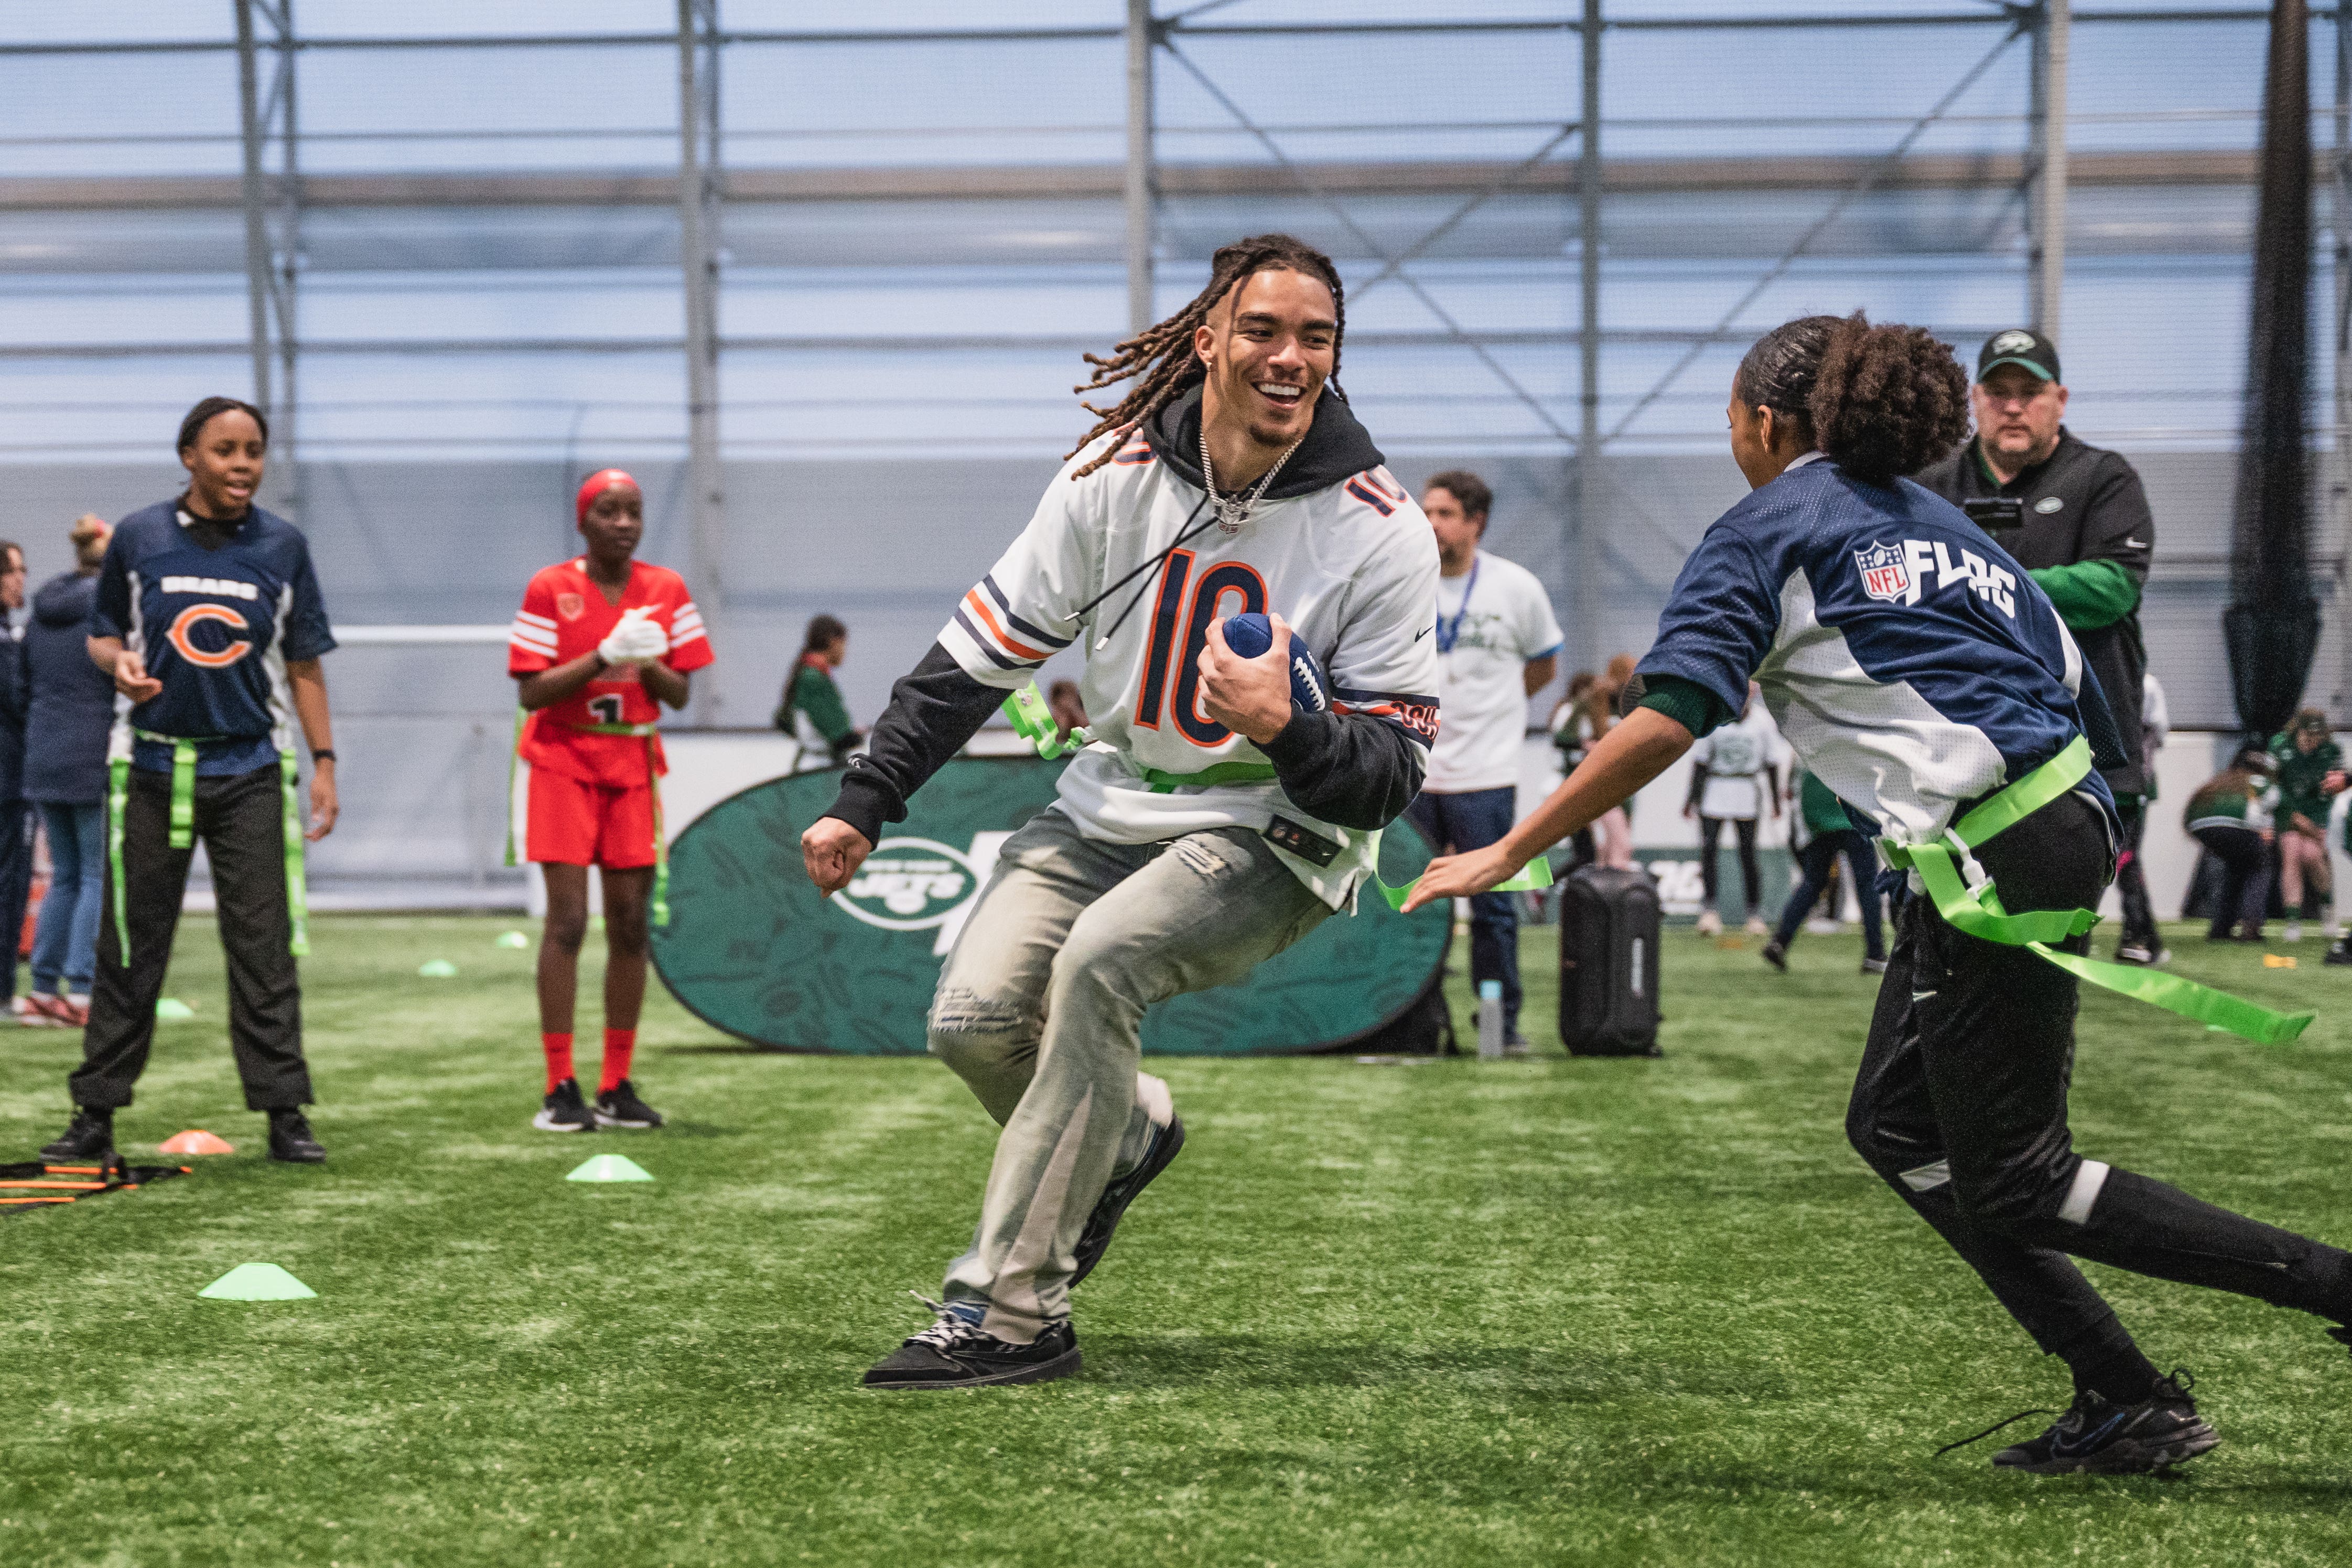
<point>1490,1020</point>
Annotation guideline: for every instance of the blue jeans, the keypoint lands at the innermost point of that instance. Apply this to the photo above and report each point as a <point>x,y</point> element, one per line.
<point>65,948</point>
<point>1471,821</point>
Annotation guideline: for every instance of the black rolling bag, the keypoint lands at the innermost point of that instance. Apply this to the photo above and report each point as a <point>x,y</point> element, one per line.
<point>1609,923</point>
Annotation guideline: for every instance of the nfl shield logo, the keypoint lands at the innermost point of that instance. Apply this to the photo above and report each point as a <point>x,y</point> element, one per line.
<point>1884,575</point>
<point>568,606</point>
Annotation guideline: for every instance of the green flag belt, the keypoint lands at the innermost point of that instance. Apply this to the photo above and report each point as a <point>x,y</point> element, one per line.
<point>653,782</point>
<point>1035,724</point>
<point>183,829</point>
<point>1965,896</point>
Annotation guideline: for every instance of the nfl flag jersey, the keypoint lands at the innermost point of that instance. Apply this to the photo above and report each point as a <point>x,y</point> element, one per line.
<point>565,615</point>
<point>1352,565</point>
<point>1907,659</point>
<point>217,627</point>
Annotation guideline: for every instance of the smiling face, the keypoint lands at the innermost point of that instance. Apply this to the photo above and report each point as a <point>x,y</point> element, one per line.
<point>1269,347</point>
<point>615,522</point>
<point>225,463</point>
<point>2017,416</point>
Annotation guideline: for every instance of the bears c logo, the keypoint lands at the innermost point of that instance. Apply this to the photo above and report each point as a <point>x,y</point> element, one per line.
<point>182,637</point>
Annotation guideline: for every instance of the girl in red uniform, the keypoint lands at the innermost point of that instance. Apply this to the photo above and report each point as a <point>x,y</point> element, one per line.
<point>602,641</point>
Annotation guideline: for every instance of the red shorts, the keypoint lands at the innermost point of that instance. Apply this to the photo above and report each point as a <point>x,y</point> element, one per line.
<point>571,821</point>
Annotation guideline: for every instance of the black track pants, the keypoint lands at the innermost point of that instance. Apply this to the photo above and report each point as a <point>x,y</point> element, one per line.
<point>1961,1106</point>
<point>1751,876</point>
<point>239,819</point>
<point>2131,883</point>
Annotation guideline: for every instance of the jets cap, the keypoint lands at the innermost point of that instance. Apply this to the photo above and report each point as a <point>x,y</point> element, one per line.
<point>2023,346</point>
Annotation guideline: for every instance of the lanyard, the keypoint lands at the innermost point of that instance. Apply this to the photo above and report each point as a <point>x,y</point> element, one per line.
<point>1448,631</point>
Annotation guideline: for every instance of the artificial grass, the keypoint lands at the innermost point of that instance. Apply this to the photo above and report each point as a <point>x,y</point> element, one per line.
<point>1552,1311</point>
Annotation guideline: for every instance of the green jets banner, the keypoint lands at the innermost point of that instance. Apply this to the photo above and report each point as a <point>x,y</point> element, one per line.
<point>751,950</point>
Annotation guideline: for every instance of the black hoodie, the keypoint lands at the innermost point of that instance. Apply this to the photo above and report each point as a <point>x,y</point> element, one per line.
<point>72,701</point>
<point>1345,769</point>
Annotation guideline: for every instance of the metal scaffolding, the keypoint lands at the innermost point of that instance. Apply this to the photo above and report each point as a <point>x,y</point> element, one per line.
<point>2046,200</point>
<point>698,224</point>
<point>273,228</point>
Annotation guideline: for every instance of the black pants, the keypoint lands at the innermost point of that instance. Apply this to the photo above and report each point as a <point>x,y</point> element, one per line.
<point>16,818</point>
<point>240,820</point>
<point>2245,879</point>
<point>1961,1106</point>
<point>1817,858</point>
<point>1751,876</point>
<point>2131,884</point>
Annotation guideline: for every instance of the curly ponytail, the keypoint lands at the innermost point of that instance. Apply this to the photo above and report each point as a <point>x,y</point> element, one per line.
<point>1880,402</point>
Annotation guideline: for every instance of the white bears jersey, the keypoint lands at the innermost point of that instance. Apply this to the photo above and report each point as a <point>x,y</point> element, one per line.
<point>1352,567</point>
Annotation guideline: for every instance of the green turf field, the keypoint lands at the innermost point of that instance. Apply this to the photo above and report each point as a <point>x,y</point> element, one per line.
<point>1546,1312</point>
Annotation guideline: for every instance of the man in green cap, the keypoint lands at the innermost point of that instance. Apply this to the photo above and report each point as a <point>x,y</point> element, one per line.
<point>2078,520</point>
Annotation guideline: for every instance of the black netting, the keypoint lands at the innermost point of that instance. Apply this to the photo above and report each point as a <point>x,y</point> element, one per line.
<point>2271,626</point>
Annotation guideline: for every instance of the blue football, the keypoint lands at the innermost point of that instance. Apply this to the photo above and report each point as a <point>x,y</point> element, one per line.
<point>1252,634</point>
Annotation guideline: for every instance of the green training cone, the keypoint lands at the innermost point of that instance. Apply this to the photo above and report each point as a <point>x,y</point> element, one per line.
<point>438,969</point>
<point>513,939</point>
<point>611,1167</point>
<point>257,1282</point>
<point>173,1010</point>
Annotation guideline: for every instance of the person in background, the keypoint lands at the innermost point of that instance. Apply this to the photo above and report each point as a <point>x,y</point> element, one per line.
<point>1726,765</point>
<point>16,816</point>
<point>1615,825</point>
<point>2085,534</point>
<point>1068,708</point>
<point>2141,943</point>
<point>2229,814</point>
<point>1497,646</point>
<point>72,709</point>
<point>812,711</point>
<point>1835,836</point>
<point>1573,731</point>
<point>2308,767</point>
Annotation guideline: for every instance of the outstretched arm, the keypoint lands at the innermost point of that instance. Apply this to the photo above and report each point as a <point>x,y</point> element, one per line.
<point>933,711</point>
<point>1640,748</point>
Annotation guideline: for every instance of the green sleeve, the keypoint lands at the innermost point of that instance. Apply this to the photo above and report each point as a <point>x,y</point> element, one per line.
<point>1688,703</point>
<point>2090,593</point>
<point>818,697</point>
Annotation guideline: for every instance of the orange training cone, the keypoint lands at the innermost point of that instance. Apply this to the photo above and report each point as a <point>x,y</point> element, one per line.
<point>196,1141</point>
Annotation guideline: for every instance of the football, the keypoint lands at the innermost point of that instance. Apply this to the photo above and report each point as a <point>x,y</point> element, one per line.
<point>1252,634</point>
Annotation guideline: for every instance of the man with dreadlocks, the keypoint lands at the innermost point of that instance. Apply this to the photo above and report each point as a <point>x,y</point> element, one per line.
<point>1209,826</point>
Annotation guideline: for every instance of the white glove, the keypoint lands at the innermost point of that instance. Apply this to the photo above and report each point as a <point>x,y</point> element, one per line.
<point>634,639</point>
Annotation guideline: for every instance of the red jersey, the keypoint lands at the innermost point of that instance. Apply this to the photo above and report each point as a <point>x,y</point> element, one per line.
<point>564,616</point>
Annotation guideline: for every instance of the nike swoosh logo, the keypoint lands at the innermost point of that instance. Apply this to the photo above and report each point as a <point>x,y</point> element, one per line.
<point>2135,543</point>
<point>2060,1448</point>
<point>1422,632</point>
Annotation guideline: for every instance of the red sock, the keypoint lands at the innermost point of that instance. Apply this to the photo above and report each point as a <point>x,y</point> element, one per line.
<point>620,1044</point>
<point>558,1057</point>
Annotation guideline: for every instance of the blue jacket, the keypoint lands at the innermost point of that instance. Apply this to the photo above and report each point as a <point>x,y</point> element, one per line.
<point>72,701</point>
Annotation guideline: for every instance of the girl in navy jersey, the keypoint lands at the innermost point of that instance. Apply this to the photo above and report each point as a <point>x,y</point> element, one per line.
<point>1917,670</point>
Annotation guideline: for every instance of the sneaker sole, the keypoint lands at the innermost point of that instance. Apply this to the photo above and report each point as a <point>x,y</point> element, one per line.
<point>1063,1365</point>
<point>546,1122</point>
<point>2132,1458</point>
<point>604,1121</point>
<point>1148,1172</point>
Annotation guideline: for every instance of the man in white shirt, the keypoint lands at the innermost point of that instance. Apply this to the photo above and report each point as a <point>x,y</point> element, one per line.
<point>1497,646</point>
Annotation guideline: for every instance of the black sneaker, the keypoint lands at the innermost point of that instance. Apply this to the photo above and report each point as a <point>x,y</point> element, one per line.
<point>955,1351</point>
<point>89,1136</point>
<point>564,1110</point>
<point>1776,956</point>
<point>619,1107</point>
<point>2147,954</point>
<point>2161,1431</point>
<point>1094,1239</point>
<point>290,1139</point>
<point>2339,951</point>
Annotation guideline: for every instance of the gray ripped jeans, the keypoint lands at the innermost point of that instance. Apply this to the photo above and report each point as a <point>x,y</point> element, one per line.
<point>1040,1010</point>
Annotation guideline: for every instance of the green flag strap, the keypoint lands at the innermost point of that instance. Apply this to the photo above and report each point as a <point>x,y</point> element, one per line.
<point>1033,721</point>
<point>661,840</point>
<point>1976,910</point>
<point>118,798</point>
<point>298,894</point>
<point>514,755</point>
<point>1535,873</point>
<point>184,783</point>
<point>1236,772</point>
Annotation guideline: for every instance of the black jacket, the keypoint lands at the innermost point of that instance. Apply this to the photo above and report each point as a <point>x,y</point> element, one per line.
<point>72,705</point>
<point>1348,769</point>
<point>2081,503</point>
<point>11,717</point>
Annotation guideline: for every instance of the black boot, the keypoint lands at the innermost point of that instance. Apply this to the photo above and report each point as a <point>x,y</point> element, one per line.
<point>90,1136</point>
<point>290,1139</point>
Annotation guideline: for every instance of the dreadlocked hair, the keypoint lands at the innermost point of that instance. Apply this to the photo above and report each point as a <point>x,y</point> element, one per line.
<point>1161,359</point>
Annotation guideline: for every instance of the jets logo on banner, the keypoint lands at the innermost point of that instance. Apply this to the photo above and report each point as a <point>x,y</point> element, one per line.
<point>917,884</point>
<point>1898,574</point>
<point>183,635</point>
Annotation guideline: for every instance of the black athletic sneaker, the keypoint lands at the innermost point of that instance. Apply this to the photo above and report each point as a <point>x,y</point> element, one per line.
<point>290,1139</point>
<point>564,1111</point>
<point>1776,956</point>
<point>956,1353</point>
<point>2161,1431</point>
<point>1094,1239</point>
<point>619,1107</point>
<point>89,1136</point>
<point>2339,951</point>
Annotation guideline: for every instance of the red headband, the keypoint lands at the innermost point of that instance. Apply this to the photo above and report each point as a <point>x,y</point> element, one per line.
<point>595,485</point>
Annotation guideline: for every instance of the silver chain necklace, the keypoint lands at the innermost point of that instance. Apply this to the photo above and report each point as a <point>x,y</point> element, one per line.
<point>1235,510</point>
